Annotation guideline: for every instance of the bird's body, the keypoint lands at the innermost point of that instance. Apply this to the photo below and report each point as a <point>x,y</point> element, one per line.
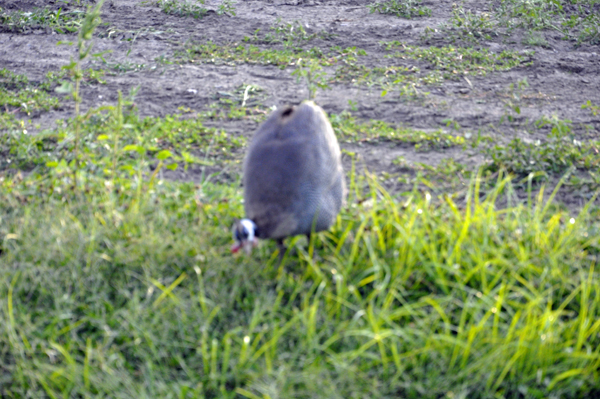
<point>293,177</point>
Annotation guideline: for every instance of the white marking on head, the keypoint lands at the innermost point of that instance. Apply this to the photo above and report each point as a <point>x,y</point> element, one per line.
<point>250,227</point>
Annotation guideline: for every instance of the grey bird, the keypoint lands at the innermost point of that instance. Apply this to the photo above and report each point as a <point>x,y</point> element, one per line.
<point>293,178</point>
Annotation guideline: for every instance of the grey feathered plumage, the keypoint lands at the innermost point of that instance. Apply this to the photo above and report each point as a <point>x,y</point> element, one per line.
<point>293,177</point>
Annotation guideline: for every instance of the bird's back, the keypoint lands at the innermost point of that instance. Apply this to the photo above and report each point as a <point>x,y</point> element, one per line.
<point>293,178</point>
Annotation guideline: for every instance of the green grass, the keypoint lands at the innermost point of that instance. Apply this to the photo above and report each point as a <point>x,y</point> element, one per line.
<point>289,34</point>
<point>119,283</point>
<point>469,26</point>
<point>60,21</point>
<point>576,21</point>
<point>444,63</point>
<point>535,39</point>
<point>554,156</point>
<point>401,8</point>
<point>117,288</point>
<point>175,139</point>
<point>239,53</point>
<point>183,8</point>
<point>594,109</point>
<point>9,122</point>
<point>453,62</point>
<point>194,8</point>
<point>125,287</point>
<point>17,93</point>
<point>434,66</point>
<point>245,101</point>
<point>348,128</point>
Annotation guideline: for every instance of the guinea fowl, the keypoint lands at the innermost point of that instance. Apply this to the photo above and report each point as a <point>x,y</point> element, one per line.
<point>293,178</point>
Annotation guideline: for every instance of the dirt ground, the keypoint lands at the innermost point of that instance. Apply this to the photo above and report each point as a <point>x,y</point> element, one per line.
<point>562,77</point>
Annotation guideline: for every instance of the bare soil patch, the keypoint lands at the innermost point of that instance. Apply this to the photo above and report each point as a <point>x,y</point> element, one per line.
<point>140,45</point>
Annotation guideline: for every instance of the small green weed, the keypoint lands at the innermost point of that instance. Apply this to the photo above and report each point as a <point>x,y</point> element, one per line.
<point>226,7</point>
<point>453,62</point>
<point>446,63</point>
<point>245,101</point>
<point>17,93</point>
<point>530,14</point>
<point>9,122</point>
<point>312,73</point>
<point>514,95</point>
<point>594,109</point>
<point>174,138</point>
<point>469,26</point>
<point>401,8</point>
<point>239,53</point>
<point>555,156</point>
<point>290,34</point>
<point>391,75</point>
<point>578,22</point>
<point>535,39</point>
<point>348,128</point>
<point>589,29</point>
<point>123,67</point>
<point>183,8</point>
<point>60,21</point>
<point>88,76</point>
<point>447,176</point>
<point>22,151</point>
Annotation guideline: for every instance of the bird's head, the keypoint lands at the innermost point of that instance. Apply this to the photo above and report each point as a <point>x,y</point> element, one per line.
<point>244,234</point>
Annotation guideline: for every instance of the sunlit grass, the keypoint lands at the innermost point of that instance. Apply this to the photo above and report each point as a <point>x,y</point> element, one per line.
<point>349,128</point>
<point>120,283</point>
<point>134,293</point>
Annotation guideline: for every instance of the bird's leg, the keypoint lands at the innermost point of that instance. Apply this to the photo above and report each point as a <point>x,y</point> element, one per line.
<point>282,248</point>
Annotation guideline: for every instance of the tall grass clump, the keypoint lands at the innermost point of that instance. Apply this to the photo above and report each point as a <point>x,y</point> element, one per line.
<point>135,294</point>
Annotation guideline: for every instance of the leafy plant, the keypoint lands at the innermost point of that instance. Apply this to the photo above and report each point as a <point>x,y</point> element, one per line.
<point>453,62</point>
<point>19,94</point>
<point>84,47</point>
<point>226,7</point>
<point>576,22</point>
<point>60,21</point>
<point>401,8</point>
<point>557,155</point>
<point>233,53</point>
<point>594,109</point>
<point>290,34</point>
<point>312,73</point>
<point>183,8</point>
<point>535,39</point>
<point>530,14</point>
<point>589,29</point>
<point>348,128</point>
<point>514,93</point>
<point>246,100</point>
<point>468,25</point>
